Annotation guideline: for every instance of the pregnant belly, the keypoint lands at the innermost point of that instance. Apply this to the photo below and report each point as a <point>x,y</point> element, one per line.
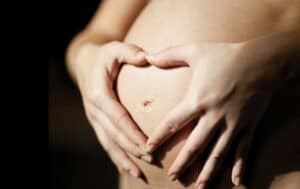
<point>149,93</point>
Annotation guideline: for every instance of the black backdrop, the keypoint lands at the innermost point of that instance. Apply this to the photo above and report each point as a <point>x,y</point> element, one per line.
<point>76,160</point>
<point>66,19</point>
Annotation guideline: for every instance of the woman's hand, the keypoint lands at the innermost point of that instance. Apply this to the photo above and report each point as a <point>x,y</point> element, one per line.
<point>96,69</point>
<point>230,90</point>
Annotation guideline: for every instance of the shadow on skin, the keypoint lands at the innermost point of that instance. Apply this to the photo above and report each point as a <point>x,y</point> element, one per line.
<point>275,150</point>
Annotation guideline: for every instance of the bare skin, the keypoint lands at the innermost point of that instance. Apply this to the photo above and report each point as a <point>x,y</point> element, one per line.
<point>93,60</point>
<point>88,55</point>
<point>238,91</point>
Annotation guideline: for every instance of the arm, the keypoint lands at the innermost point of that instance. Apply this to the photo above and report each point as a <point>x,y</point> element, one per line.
<point>93,60</point>
<point>283,50</point>
<point>105,26</point>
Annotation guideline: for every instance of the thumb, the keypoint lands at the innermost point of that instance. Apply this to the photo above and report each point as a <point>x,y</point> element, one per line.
<point>131,54</point>
<point>170,57</point>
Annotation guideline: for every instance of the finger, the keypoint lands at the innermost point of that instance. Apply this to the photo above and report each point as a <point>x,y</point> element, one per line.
<point>105,99</point>
<point>195,143</point>
<point>103,94</point>
<point>123,53</point>
<point>246,140</point>
<point>108,145</point>
<point>180,116</point>
<point>122,120</point>
<point>215,158</point>
<point>118,137</point>
<point>129,53</point>
<point>241,156</point>
<point>117,155</point>
<point>170,57</point>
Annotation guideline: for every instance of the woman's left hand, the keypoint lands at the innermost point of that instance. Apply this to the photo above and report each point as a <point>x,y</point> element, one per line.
<point>231,83</point>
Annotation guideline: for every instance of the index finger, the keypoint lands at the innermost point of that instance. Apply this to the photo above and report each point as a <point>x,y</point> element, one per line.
<point>171,57</point>
<point>179,117</point>
<point>130,54</point>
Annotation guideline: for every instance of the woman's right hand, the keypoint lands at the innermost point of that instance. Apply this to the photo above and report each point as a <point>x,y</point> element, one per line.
<point>96,68</point>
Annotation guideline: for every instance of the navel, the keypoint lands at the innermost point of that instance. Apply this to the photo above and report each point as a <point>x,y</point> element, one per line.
<point>146,104</point>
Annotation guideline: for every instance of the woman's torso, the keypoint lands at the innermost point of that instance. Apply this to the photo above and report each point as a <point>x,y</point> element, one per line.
<point>149,93</point>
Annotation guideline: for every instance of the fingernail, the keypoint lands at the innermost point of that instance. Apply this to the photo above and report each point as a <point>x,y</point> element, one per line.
<point>172,177</point>
<point>144,149</point>
<point>149,148</point>
<point>147,158</point>
<point>201,185</point>
<point>134,173</point>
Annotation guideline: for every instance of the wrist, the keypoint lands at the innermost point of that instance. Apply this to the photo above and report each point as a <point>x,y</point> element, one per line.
<point>283,47</point>
<point>273,57</point>
<point>83,59</point>
<point>77,49</point>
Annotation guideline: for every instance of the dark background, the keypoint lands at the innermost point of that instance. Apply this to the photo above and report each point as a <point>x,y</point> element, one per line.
<point>76,159</point>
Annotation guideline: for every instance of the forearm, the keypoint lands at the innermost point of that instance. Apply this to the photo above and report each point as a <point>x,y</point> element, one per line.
<point>82,41</point>
<point>286,47</point>
<point>105,26</point>
<point>291,47</point>
<point>280,54</point>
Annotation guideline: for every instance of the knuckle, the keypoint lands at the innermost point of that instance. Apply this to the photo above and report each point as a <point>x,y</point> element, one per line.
<point>232,124</point>
<point>204,178</point>
<point>135,50</point>
<point>231,128</point>
<point>191,151</point>
<point>125,169</point>
<point>194,107</point>
<point>126,165</point>
<point>108,150</point>
<point>194,104</point>
<point>216,114</point>
<point>177,168</point>
<point>209,124</point>
<point>88,114</point>
<point>95,96</point>
<point>211,121</point>
<point>121,167</point>
<point>133,47</point>
<point>171,126</point>
<point>121,119</point>
<point>116,136</point>
<point>92,117</point>
<point>216,157</point>
<point>136,153</point>
<point>92,95</point>
<point>114,43</point>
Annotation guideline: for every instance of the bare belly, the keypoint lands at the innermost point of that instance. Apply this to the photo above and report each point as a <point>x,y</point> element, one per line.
<point>149,93</point>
